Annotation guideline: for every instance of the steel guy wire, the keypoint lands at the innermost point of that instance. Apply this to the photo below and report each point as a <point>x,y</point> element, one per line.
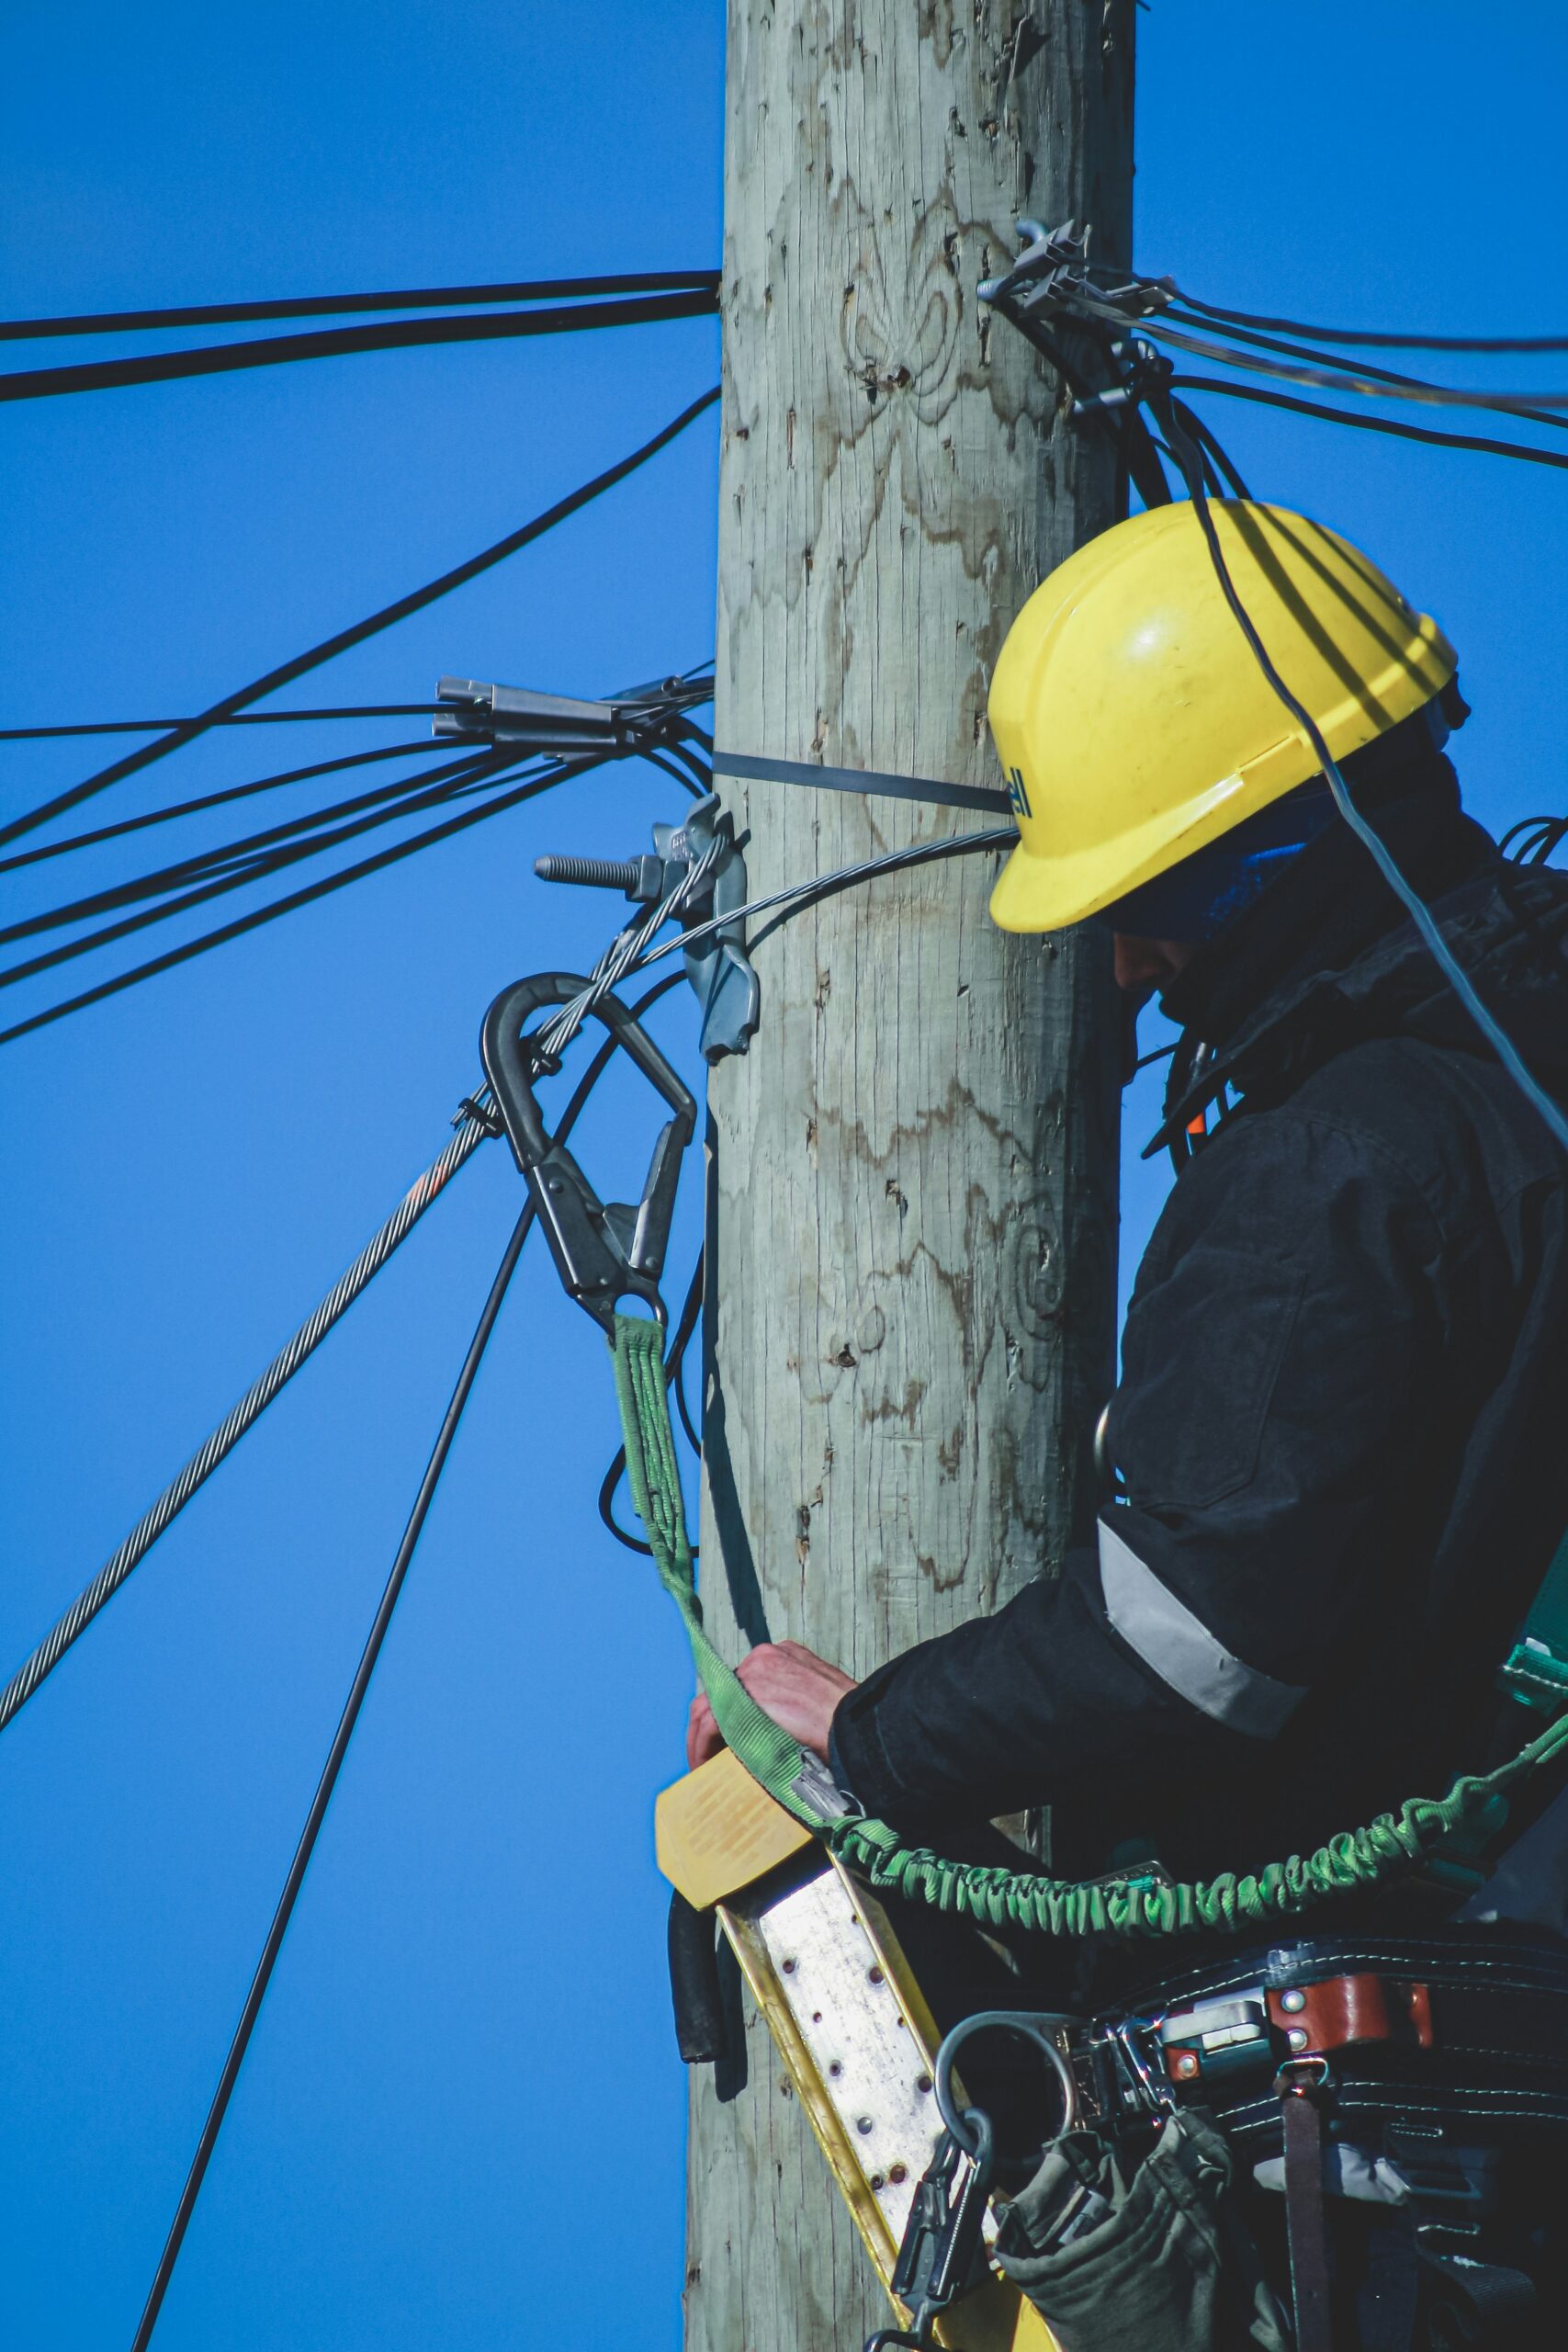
<point>629,951</point>
<point>476,1123</point>
<point>345,639</point>
<point>473,1127</point>
<point>282,1910</point>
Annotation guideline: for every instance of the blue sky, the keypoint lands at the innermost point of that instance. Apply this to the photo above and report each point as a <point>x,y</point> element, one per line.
<point>465,2067</point>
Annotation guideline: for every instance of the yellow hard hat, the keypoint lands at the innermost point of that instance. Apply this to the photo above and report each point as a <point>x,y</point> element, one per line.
<point>1133,721</point>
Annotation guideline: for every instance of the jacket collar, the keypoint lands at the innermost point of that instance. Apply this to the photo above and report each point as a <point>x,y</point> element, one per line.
<point>1273,993</point>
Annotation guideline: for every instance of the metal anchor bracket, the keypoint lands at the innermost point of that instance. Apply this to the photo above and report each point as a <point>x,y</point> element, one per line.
<point>717,965</point>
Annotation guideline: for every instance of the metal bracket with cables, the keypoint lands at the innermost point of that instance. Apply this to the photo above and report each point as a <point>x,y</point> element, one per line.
<point>699,865</point>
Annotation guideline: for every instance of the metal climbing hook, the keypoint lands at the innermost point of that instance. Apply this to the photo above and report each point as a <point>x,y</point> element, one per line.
<point>604,1250</point>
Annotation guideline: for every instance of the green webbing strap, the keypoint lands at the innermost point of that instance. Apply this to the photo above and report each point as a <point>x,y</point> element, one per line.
<point>1132,1907</point>
<point>780,1763</point>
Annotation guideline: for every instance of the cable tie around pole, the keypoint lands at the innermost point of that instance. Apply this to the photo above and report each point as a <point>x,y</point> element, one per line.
<point>752,768</point>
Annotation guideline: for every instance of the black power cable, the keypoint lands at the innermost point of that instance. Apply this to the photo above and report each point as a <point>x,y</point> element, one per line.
<point>1362,367</point>
<point>1367,382</point>
<point>338,343</point>
<point>1379,342</point>
<point>240,718</point>
<point>1358,375</point>
<point>250,859</point>
<point>1432,434</point>
<point>322,1798</point>
<point>424,747</point>
<point>295,899</point>
<point>1537,839</point>
<point>344,640</point>
<point>262,1976</point>
<point>332,306</point>
<point>1458,977</point>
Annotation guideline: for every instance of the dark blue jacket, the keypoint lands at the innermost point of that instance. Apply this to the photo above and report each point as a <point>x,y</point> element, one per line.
<point>1342,1428</point>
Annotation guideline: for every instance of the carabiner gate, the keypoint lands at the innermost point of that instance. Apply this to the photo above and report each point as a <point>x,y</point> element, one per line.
<point>604,1250</point>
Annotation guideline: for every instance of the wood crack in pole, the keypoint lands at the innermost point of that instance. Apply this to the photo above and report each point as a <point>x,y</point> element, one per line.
<point>912,1173</point>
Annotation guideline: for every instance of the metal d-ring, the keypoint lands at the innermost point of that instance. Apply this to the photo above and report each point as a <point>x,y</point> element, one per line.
<point>1032,2025</point>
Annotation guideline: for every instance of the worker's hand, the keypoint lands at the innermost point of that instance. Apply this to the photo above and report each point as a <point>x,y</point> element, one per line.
<point>799,1689</point>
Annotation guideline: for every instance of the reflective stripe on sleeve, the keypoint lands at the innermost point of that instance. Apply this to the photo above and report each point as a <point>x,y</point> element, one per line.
<point>1181,1649</point>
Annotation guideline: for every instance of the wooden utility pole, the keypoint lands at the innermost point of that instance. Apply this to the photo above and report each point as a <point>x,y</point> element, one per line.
<point>912,1180</point>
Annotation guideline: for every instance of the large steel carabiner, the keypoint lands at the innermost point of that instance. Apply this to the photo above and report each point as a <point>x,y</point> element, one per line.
<point>604,1250</point>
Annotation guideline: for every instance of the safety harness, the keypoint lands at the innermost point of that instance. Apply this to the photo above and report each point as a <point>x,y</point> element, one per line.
<point>1149,1903</point>
<point>604,1252</point>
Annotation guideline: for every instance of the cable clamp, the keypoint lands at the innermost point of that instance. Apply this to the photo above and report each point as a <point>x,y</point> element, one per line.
<point>719,969</point>
<point>518,718</point>
<point>1052,273</point>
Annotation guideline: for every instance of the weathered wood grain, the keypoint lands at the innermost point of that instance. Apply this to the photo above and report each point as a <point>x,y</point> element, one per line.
<point>913,1190</point>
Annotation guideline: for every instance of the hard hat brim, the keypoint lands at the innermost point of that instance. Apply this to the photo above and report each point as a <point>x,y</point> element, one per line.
<point>1036,892</point>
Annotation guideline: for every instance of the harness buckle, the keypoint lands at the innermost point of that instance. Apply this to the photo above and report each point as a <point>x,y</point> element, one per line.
<point>604,1250</point>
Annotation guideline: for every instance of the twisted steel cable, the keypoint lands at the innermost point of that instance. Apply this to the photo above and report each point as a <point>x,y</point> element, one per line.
<point>624,953</point>
<point>474,1124</point>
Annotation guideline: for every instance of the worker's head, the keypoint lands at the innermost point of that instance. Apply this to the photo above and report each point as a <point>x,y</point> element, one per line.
<point>1158,781</point>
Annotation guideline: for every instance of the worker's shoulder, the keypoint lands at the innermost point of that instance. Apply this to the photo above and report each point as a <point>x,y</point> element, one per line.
<point>1427,1119</point>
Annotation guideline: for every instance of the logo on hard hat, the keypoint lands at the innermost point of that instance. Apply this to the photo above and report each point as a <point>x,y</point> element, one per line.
<point>1016,795</point>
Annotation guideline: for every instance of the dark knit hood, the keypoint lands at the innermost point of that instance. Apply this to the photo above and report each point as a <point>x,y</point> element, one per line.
<point>1327,956</point>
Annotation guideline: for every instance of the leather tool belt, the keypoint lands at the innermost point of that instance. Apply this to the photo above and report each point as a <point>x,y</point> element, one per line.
<point>1461,2033</point>
<point>1458,2032</point>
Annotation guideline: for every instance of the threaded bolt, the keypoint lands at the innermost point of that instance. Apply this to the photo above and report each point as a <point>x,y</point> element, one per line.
<point>598,873</point>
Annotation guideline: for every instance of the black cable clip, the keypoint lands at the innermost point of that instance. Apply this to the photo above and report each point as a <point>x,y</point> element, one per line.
<point>483,1116</point>
<point>942,2254</point>
<point>604,1250</point>
<point>1144,374</point>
